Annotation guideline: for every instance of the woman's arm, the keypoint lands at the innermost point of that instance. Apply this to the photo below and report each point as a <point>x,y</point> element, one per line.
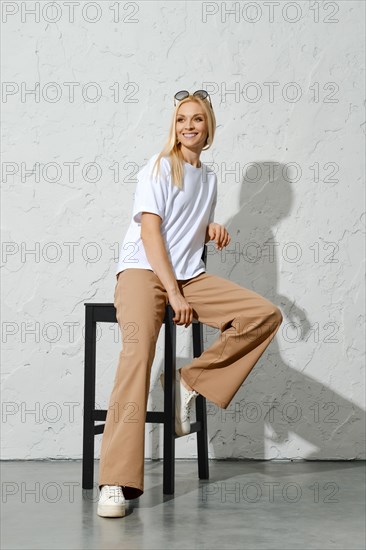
<point>156,252</point>
<point>157,256</point>
<point>218,233</point>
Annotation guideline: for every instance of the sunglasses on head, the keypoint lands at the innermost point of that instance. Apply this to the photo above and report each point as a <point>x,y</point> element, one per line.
<point>202,94</point>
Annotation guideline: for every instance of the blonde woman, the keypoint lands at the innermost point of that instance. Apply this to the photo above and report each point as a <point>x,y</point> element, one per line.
<point>160,262</point>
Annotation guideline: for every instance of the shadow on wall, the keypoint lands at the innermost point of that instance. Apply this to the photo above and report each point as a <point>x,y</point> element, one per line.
<point>280,411</point>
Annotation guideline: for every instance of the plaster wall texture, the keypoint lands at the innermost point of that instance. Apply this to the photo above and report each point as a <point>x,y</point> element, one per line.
<point>287,87</point>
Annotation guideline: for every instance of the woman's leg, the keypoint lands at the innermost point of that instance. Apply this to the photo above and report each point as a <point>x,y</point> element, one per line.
<point>140,300</point>
<point>247,321</point>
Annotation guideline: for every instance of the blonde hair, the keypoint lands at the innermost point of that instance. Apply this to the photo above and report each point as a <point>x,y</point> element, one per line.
<point>172,148</point>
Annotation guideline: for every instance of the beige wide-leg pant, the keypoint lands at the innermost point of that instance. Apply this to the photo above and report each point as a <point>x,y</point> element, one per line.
<point>247,322</point>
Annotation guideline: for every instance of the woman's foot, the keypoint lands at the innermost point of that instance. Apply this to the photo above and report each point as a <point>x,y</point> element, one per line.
<point>184,399</point>
<point>112,502</point>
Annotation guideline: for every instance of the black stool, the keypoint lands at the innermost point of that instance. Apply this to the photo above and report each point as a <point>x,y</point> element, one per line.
<point>107,313</point>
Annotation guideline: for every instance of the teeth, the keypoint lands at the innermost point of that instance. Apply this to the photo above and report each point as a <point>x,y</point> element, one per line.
<point>189,135</point>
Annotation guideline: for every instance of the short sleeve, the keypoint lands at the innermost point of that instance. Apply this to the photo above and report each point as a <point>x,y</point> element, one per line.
<point>150,194</point>
<point>213,206</point>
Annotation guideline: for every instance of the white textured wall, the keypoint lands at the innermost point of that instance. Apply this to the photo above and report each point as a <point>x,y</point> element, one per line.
<point>290,183</point>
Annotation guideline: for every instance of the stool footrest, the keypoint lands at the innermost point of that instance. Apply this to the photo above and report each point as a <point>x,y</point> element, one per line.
<point>152,417</point>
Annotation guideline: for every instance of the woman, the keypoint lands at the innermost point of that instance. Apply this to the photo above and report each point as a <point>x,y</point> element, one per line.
<point>160,262</point>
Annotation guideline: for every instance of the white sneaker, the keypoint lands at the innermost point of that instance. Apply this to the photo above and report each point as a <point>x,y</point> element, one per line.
<point>112,502</point>
<point>184,400</point>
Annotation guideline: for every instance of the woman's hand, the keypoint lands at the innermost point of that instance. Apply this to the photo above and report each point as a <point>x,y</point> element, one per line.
<point>183,311</point>
<point>218,233</point>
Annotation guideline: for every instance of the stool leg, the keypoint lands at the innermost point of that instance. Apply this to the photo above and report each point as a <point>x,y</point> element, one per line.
<point>201,410</point>
<point>89,399</point>
<point>169,402</point>
<point>202,443</point>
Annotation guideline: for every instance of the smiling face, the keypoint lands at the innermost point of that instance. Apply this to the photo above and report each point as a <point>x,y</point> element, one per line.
<point>191,127</point>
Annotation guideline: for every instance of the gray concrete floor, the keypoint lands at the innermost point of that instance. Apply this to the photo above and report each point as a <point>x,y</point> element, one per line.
<point>244,504</point>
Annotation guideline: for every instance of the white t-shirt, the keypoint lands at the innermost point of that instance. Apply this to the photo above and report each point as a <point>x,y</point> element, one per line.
<point>185,216</point>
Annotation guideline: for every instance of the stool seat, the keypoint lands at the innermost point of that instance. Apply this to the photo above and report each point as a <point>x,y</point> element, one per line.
<point>106,312</point>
